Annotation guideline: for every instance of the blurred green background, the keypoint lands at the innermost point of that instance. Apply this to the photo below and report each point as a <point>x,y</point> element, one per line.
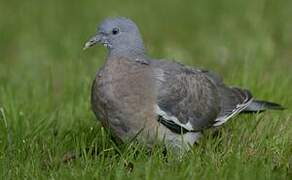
<point>45,80</point>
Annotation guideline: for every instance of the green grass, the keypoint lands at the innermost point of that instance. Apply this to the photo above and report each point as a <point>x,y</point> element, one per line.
<point>45,80</point>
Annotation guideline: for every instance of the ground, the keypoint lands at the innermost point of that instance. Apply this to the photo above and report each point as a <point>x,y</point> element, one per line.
<point>47,129</point>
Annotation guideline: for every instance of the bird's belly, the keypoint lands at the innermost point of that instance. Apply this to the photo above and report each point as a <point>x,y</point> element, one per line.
<point>126,110</point>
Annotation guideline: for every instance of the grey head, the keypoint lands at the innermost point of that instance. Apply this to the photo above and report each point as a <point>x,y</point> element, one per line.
<point>120,35</point>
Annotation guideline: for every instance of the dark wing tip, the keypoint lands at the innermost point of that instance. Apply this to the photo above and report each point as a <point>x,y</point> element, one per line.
<point>271,105</point>
<point>258,106</point>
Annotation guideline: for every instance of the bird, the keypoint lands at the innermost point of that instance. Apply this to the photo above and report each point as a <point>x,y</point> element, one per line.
<point>158,100</point>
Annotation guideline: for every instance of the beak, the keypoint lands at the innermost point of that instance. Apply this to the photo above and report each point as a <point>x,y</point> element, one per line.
<point>92,41</point>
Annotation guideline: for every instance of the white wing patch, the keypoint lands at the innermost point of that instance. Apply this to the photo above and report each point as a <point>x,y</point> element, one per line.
<point>160,112</point>
<point>240,107</point>
<point>218,122</point>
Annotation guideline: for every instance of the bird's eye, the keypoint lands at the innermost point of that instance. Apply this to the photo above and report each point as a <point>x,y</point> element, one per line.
<point>116,31</point>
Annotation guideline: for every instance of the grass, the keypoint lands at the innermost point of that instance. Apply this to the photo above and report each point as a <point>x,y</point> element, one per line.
<point>45,80</point>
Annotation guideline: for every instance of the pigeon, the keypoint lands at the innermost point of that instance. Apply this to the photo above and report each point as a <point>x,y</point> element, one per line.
<point>157,100</point>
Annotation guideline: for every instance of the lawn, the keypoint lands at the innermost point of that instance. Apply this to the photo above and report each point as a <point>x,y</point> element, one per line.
<point>48,131</point>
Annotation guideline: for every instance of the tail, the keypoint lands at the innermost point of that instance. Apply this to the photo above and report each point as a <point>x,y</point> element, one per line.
<point>258,106</point>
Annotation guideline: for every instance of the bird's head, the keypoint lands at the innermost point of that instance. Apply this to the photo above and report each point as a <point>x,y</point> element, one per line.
<point>117,34</point>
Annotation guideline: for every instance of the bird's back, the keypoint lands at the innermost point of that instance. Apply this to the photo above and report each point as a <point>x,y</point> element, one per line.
<point>196,97</point>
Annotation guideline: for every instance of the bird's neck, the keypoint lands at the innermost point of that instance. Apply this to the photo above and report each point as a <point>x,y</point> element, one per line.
<point>132,54</point>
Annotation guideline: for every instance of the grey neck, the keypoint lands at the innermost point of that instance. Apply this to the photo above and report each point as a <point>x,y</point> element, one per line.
<point>137,53</point>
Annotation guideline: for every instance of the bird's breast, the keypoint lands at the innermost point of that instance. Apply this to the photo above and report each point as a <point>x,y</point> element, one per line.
<point>127,95</point>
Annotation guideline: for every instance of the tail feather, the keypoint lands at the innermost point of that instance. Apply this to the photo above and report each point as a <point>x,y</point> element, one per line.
<point>261,106</point>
